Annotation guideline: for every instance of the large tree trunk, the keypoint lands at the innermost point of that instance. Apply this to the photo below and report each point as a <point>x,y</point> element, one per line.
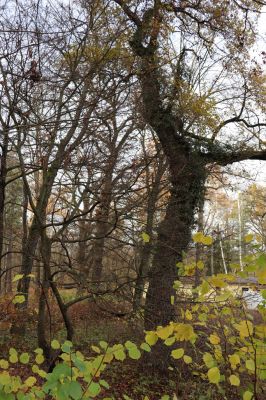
<point>174,235</point>
<point>36,228</point>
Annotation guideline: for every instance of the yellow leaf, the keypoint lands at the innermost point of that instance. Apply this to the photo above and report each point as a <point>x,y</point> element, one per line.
<point>151,338</point>
<point>218,353</point>
<point>13,355</point>
<point>187,359</point>
<point>35,369</point>
<point>108,357</point>
<point>245,328</point>
<point>4,364</point>
<point>200,265</point>
<point>188,315</point>
<point>214,375</point>
<point>204,288</point>
<point>234,360</point>
<point>184,331</point>
<point>217,281</point>
<point>165,332</point>
<point>198,237</point>
<point>18,299</point>
<point>247,395</point>
<point>169,341</point>
<point>178,353</point>
<point>214,339</point>
<point>42,373</point>
<point>96,349</point>
<point>65,357</point>
<point>39,359</point>
<point>30,381</point>
<point>248,238</point>
<point>207,240</point>
<point>17,277</point>
<point>145,237</point>
<point>261,276</point>
<point>55,344</point>
<point>234,380</point>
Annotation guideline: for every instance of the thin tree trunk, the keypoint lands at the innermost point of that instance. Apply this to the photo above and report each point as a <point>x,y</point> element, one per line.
<point>3,174</point>
<point>102,229</point>
<point>240,231</point>
<point>199,245</point>
<point>46,245</point>
<point>43,299</point>
<point>9,259</point>
<point>146,251</point>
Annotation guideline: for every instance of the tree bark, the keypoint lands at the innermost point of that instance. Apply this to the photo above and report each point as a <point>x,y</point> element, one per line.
<point>102,227</point>
<point>3,174</point>
<point>146,250</point>
<point>46,245</point>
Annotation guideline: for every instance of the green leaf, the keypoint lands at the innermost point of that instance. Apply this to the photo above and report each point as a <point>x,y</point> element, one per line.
<point>55,344</point>
<point>66,346</point>
<point>178,353</point>
<point>187,359</point>
<point>24,358</point>
<point>134,353</point>
<point>247,395</point>
<point>13,355</point>
<point>261,261</point>
<point>38,351</point>
<point>94,389</point>
<point>103,344</point>
<point>145,347</point>
<point>103,383</point>
<point>250,365</point>
<point>119,353</point>
<point>209,360</point>
<point>75,390</point>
